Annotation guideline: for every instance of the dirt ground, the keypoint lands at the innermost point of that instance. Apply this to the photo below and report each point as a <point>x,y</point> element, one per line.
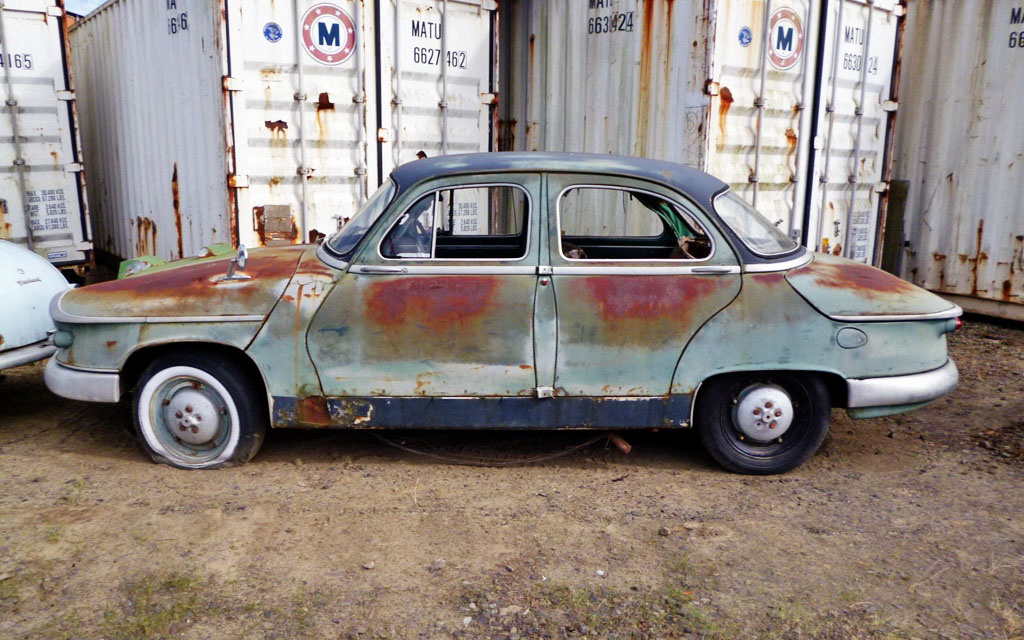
<point>903,527</point>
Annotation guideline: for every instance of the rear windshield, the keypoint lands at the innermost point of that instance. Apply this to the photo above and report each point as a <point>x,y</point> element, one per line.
<point>761,236</point>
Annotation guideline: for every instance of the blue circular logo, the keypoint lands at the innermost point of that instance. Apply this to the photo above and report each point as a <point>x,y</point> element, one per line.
<point>272,31</point>
<point>746,36</point>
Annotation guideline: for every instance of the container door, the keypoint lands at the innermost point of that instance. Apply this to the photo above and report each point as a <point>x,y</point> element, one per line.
<point>436,78</point>
<point>759,119</point>
<point>42,205</point>
<point>855,107</point>
<point>304,99</point>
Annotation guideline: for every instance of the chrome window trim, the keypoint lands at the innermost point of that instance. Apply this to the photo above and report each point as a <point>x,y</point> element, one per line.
<point>603,270</point>
<point>611,187</point>
<point>441,269</point>
<point>327,258</point>
<point>772,267</point>
<point>530,215</point>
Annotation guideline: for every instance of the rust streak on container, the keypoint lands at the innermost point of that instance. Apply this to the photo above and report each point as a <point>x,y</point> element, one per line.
<point>724,103</point>
<point>176,203</point>
<point>980,256</point>
<point>145,230</point>
<point>645,88</point>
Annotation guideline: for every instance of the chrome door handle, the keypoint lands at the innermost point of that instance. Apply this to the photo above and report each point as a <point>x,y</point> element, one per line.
<point>712,270</point>
<point>376,269</point>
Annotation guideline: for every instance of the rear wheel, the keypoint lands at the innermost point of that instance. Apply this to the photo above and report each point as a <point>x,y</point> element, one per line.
<point>199,411</point>
<point>763,423</point>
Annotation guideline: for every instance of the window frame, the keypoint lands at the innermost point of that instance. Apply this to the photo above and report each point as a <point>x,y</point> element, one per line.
<point>688,217</point>
<point>530,215</point>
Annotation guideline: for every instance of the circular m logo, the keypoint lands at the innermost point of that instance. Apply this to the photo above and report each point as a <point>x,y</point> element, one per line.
<point>785,38</point>
<point>328,34</point>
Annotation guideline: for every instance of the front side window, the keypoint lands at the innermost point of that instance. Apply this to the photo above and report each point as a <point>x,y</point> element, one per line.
<point>605,223</point>
<point>760,235</point>
<point>462,223</point>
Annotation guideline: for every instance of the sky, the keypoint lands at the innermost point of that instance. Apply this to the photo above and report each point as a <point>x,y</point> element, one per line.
<point>82,7</point>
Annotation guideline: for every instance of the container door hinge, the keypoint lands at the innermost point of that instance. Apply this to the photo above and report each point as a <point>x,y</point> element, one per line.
<point>881,187</point>
<point>711,87</point>
<point>65,95</point>
<point>236,181</point>
<point>56,12</point>
<point>545,392</point>
<point>890,106</point>
<point>231,83</point>
<point>488,98</point>
<point>899,11</point>
<point>74,167</point>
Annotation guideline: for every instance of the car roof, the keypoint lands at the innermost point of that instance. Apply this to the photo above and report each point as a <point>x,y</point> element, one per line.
<point>696,184</point>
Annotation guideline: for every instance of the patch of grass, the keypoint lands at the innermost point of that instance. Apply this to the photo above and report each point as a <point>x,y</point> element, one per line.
<point>156,605</point>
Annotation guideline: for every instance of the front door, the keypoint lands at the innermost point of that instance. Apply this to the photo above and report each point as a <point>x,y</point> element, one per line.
<point>439,302</point>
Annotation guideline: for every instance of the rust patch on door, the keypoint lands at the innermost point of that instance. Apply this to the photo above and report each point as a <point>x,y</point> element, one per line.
<point>441,302</point>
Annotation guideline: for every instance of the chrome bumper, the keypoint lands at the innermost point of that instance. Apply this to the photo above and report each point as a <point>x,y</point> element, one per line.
<point>895,391</point>
<point>28,353</point>
<point>77,384</point>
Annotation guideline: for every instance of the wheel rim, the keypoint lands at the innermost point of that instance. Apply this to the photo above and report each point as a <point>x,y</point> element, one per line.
<point>187,416</point>
<point>753,436</point>
<point>763,412</point>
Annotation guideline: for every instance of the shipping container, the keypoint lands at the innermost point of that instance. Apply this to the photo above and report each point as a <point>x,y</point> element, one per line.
<point>42,192</point>
<point>231,121</point>
<point>789,101</point>
<point>959,153</point>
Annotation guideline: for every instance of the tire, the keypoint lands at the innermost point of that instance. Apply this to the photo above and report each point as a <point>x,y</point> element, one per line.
<point>196,410</point>
<point>763,423</point>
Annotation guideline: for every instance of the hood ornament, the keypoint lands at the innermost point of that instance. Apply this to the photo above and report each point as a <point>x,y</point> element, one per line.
<point>238,262</point>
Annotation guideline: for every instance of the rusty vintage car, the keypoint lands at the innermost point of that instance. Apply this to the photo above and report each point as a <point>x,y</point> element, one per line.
<point>513,290</point>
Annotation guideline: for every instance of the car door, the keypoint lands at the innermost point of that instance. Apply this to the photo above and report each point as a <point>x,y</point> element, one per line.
<point>636,270</point>
<point>439,300</point>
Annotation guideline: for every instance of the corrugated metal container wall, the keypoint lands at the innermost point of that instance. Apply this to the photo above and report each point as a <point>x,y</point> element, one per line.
<point>272,121</point>
<point>42,191</point>
<point>960,150</point>
<point>698,83</point>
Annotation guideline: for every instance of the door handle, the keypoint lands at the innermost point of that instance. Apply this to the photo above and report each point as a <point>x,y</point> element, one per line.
<point>712,270</point>
<point>376,269</point>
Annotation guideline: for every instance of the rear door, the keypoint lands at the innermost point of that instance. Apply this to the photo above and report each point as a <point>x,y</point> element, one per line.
<point>636,271</point>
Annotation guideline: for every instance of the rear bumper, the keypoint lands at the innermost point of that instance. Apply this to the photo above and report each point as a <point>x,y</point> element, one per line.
<point>28,353</point>
<point>78,384</point>
<point>902,391</point>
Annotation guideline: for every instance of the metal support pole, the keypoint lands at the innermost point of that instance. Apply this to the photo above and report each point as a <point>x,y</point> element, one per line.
<point>443,104</point>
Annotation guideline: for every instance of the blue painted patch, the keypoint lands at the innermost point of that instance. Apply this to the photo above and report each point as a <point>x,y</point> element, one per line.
<point>272,31</point>
<point>746,36</point>
<point>495,413</point>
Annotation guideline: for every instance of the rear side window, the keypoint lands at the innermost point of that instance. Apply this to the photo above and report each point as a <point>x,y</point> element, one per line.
<point>462,223</point>
<point>608,223</point>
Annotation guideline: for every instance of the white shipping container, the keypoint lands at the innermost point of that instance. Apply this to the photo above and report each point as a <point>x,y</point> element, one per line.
<point>960,152</point>
<point>42,191</point>
<point>786,100</point>
<point>231,121</point>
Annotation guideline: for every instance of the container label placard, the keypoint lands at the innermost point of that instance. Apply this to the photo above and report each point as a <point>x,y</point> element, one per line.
<point>47,209</point>
<point>328,34</point>
<point>430,55</point>
<point>785,38</point>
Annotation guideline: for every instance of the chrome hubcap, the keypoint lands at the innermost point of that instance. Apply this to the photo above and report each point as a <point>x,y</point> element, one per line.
<point>763,412</point>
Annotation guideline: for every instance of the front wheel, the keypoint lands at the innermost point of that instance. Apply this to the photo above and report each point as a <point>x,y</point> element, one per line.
<point>763,423</point>
<point>198,411</point>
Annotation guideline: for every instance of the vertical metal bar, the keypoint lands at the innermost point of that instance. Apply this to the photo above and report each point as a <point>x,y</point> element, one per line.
<point>300,98</point>
<point>12,108</point>
<point>759,102</point>
<point>830,108</point>
<point>443,104</point>
<point>397,100</point>
<point>804,87</point>
<point>859,113</point>
<point>360,101</point>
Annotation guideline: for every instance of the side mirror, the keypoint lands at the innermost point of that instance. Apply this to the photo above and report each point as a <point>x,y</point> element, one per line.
<point>238,262</point>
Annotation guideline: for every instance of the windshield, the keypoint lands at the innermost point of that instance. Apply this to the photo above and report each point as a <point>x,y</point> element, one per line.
<point>345,240</point>
<point>760,235</point>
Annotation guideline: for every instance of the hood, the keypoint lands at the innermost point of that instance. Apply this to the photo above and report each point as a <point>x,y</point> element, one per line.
<point>846,290</point>
<point>194,289</point>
